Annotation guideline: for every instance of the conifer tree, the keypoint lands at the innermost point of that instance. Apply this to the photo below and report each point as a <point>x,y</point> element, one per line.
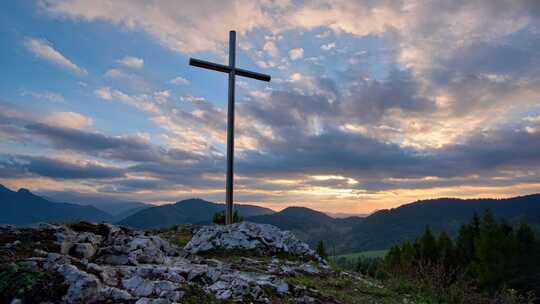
<point>428,246</point>
<point>490,261</point>
<point>445,248</point>
<point>321,250</point>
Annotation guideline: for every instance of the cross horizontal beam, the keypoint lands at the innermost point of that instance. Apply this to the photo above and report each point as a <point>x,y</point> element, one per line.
<point>226,69</point>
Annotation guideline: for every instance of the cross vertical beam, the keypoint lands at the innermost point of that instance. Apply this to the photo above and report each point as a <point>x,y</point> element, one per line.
<point>232,70</point>
<point>230,131</point>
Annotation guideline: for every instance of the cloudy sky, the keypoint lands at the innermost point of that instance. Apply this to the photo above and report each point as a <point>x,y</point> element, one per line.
<point>372,103</point>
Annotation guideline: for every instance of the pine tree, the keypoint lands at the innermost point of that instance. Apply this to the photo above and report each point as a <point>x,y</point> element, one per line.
<point>408,254</point>
<point>465,248</point>
<point>393,259</point>
<point>321,250</point>
<point>428,246</point>
<point>491,260</point>
<point>445,248</point>
<point>526,266</point>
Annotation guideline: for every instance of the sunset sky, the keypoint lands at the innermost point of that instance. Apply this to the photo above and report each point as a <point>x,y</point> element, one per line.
<point>372,104</point>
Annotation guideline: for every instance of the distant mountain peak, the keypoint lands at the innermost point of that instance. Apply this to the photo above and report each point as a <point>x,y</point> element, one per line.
<point>193,201</point>
<point>24,207</point>
<point>302,211</point>
<point>193,210</point>
<point>24,191</point>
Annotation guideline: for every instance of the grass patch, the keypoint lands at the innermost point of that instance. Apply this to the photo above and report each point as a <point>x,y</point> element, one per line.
<point>29,240</point>
<point>366,254</point>
<point>195,295</point>
<point>338,288</point>
<point>178,235</point>
<point>29,283</point>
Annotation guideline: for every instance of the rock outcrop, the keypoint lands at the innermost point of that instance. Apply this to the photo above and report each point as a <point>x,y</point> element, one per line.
<point>108,263</point>
<point>261,238</point>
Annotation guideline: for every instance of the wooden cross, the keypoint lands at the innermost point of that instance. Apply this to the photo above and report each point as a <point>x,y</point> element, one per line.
<point>232,70</point>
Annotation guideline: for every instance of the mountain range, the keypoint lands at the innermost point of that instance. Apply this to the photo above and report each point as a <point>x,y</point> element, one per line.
<point>194,210</point>
<point>115,207</point>
<point>309,225</point>
<point>385,228</point>
<point>379,230</point>
<point>23,208</point>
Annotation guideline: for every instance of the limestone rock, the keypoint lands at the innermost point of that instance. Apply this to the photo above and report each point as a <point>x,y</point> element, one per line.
<point>83,250</point>
<point>107,263</point>
<point>83,287</point>
<point>138,286</point>
<point>263,238</point>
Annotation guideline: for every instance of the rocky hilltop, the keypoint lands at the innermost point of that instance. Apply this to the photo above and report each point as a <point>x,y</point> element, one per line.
<point>103,263</point>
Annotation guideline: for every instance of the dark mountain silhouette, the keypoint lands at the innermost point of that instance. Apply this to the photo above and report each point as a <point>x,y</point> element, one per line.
<point>386,228</point>
<point>23,208</point>
<point>125,214</point>
<point>346,214</point>
<point>116,207</point>
<point>186,211</point>
<point>295,218</point>
<point>309,225</point>
<point>379,230</point>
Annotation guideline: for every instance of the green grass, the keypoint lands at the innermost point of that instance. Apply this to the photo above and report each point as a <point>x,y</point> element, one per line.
<point>345,290</point>
<point>29,283</point>
<point>178,235</point>
<point>366,254</point>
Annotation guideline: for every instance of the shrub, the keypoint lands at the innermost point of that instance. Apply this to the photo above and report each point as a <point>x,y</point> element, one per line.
<point>321,250</point>
<point>219,217</point>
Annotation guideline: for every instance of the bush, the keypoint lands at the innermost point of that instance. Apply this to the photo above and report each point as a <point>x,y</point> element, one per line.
<point>321,250</point>
<point>219,217</point>
<point>370,266</point>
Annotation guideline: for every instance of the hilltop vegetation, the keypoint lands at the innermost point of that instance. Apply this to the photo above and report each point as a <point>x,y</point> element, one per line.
<point>242,263</point>
<point>489,261</point>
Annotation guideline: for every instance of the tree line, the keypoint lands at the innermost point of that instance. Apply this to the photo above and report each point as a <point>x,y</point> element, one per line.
<point>489,261</point>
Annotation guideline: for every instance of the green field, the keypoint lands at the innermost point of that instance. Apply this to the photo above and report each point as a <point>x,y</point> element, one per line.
<point>367,254</point>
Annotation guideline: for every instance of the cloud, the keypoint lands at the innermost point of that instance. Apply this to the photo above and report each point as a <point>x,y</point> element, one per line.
<point>49,96</point>
<point>328,46</point>
<point>162,20</point>
<point>368,100</point>
<point>79,140</point>
<point>68,120</point>
<point>415,95</point>
<point>123,77</point>
<point>104,93</point>
<point>190,98</point>
<point>179,80</point>
<point>271,48</point>
<point>131,62</point>
<point>142,102</point>
<point>296,53</point>
<point>45,50</point>
<point>116,74</point>
<point>22,165</point>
